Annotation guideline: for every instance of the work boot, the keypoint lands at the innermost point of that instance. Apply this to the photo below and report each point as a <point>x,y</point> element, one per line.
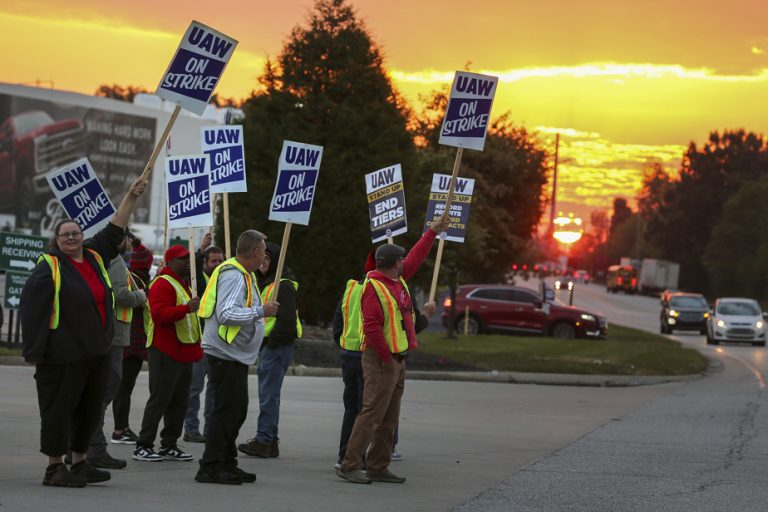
<point>107,461</point>
<point>274,448</point>
<point>256,449</point>
<point>385,475</point>
<point>89,473</point>
<point>356,476</point>
<point>193,437</point>
<point>57,475</point>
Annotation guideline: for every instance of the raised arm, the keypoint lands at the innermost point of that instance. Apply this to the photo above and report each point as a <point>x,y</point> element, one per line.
<point>124,210</point>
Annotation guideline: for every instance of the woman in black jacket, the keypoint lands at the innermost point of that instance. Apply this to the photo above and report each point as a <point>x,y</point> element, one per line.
<point>69,339</point>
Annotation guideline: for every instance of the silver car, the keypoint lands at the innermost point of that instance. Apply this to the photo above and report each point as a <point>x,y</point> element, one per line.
<point>737,320</point>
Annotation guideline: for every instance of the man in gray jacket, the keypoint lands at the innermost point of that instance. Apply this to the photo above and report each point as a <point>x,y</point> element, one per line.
<point>234,330</point>
<point>127,296</point>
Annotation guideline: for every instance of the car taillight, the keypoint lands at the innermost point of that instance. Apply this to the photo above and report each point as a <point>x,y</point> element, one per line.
<point>618,280</point>
<point>447,303</point>
<point>634,281</point>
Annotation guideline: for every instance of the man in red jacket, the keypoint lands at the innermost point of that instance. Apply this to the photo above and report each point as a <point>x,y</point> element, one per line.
<point>389,333</point>
<point>174,346</point>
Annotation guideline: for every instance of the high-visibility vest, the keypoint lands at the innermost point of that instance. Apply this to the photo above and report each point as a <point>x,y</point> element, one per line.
<point>266,296</point>
<point>123,313</point>
<point>208,300</point>
<point>188,328</point>
<point>352,334</point>
<point>394,333</point>
<point>53,262</point>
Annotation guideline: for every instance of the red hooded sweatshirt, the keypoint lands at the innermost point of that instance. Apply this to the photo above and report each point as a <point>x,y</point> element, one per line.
<point>373,314</point>
<point>165,312</point>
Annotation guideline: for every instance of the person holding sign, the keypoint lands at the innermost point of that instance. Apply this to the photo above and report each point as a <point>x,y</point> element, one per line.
<point>173,339</point>
<point>389,330</point>
<point>234,330</point>
<point>275,354</point>
<point>67,315</point>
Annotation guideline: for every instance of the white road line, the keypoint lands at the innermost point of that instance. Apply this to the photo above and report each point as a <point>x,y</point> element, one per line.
<point>755,371</point>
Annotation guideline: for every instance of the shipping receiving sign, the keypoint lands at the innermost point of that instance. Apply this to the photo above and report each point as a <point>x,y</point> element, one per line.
<point>80,193</point>
<point>386,202</point>
<point>196,67</point>
<point>469,110</point>
<point>224,146</point>
<point>459,214</point>
<point>297,174</point>
<point>189,191</point>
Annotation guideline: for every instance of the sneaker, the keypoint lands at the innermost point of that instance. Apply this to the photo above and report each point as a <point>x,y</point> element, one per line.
<point>356,476</point>
<point>193,437</point>
<point>89,473</point>
<point>257,449</point>
<point>126,437</point>
<point>146,455</point>
<point>337,466</point>
<point>396,456</point>
<point>57,475</point>
<point>107,461</point>
<point>218,477</point>
<point>173,453</point>
<point>384,475</point>
<point>246,477</point>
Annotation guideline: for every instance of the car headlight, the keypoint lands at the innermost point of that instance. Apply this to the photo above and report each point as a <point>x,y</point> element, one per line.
<point>557,285</point>
<point>759,324</point>
<point>588,318</point>
<point>721,323</point>
<point>673,313</point>
<point>706,315</point>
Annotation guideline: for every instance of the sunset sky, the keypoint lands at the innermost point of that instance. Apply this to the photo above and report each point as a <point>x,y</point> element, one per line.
<point>621,81</point>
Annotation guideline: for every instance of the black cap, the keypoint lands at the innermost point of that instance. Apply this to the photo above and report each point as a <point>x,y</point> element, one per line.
<point>388,254</point>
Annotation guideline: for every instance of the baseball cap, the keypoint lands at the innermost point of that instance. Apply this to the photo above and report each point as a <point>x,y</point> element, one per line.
<point>176,251</point>
<point>388,254</point>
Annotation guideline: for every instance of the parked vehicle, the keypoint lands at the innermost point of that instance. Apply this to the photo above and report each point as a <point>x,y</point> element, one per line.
<point>620,278</point>
<point>657,275</point>
<point>515,309</point>
<point>737,320</point>
<point>684,312</point>
<point>581,276</point>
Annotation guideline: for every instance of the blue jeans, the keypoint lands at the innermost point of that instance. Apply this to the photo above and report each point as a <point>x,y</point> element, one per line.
<point>273,364</point>
<point>191,421</point>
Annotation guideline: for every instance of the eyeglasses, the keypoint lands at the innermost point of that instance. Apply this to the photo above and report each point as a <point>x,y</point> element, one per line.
<point>72,234</point>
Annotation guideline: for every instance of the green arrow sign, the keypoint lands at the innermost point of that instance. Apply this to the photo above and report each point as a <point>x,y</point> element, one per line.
<point>19,252</point>
<point>14,282</point>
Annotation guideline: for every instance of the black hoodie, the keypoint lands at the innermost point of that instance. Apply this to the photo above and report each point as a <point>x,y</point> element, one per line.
<point>284,332</point>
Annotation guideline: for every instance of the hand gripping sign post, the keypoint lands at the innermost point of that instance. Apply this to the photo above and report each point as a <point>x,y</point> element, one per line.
<point>224,146</point>
<point>189,199</point>
<point>386,203</point>
<point>465,126</point>
<point>294,193</point>
<point>80,193</point>
<point>192,75</point>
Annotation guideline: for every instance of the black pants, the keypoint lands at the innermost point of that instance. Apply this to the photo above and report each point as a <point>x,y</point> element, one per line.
<point>70,396</point>
<point>230,407</point>
<point>121,406</point>
<point>352,374</point>
<point>168,395</point>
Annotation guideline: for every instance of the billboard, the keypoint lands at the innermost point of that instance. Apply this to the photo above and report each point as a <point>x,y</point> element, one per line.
<point>38,136</point>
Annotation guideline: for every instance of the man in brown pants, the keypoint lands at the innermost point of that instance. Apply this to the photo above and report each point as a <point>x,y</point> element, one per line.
<point>388,329</point>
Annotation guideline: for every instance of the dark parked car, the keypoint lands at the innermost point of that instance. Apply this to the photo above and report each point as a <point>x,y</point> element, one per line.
<point>684,312</point>
<point>515,309</point>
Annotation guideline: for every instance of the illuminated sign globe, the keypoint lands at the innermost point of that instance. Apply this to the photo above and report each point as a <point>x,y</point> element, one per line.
<point>567,229</point>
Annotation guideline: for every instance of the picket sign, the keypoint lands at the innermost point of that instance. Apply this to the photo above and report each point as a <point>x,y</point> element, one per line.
<point>386,203</point>
<point>441,243</point>
<point>294,194</point>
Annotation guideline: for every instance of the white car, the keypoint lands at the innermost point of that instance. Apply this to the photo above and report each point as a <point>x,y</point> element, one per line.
<point>737,320</point>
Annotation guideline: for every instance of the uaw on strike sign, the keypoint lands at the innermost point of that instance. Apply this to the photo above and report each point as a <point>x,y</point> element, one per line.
<point>297,174</point>
<point>469,110</point>
<point>224,144</point>
<point>386,202</point>
<point>189,191</point>
<point>458,217</point>
<point>196,67</point>
<point>80,193</point>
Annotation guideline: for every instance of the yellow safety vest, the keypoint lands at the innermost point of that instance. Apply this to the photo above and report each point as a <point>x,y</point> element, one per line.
<point>208,300</point>
<point>53,262</point>
<point>266,296</point>
<point>352,314</point>
<point>394,334</point>
<point>188,328</point>
<point>122,313</point>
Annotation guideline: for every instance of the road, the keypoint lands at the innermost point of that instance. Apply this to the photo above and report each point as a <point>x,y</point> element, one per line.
<point>702,447</point>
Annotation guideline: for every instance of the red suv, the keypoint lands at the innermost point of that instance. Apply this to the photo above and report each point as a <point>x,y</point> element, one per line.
<point>514,309</point>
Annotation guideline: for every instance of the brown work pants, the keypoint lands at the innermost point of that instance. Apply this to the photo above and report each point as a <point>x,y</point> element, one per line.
<point>375,425</point>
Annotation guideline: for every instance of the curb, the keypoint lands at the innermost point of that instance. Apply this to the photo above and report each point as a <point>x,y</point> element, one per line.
<point>545,379</point>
